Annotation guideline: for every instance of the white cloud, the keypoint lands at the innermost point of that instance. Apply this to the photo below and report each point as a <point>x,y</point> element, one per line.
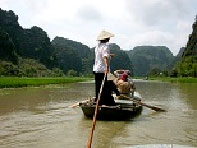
<point>134,22</point>
<point>88,13</point>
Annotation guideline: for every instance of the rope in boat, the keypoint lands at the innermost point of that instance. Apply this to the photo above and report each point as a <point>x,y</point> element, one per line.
<point>95,114</point>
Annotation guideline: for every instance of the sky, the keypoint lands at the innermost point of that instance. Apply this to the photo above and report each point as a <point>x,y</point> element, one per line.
<point>134,22</point>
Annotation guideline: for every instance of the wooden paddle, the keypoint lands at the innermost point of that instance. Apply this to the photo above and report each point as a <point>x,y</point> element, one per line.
<point>95,114</point>
<point>155,108</point>
<point>77,104</point>
<point>74,105</point>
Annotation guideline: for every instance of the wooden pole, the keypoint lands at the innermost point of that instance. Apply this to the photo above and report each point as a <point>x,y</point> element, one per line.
<point>95,114</point>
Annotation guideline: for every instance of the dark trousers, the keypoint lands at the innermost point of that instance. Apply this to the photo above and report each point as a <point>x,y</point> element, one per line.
<point>98,81</point>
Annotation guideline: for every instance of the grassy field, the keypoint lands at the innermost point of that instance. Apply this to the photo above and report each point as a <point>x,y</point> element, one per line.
<point>176,80</point>
<point>14,82</point>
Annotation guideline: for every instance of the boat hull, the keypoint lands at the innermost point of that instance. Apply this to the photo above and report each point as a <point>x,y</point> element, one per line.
<point>123,110</point>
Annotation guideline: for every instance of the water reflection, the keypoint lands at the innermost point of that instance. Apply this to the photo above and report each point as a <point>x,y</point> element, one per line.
<point>189,93</point>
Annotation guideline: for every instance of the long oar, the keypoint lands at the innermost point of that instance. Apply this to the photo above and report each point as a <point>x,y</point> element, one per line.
<point>95,114</point>
<point>77,104</point>
<point>155,108</point>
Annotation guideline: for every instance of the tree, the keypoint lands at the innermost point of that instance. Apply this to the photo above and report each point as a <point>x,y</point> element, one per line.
<point>72,73</point>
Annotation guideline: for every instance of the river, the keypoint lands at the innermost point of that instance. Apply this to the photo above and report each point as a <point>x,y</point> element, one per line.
<point>40,117</point>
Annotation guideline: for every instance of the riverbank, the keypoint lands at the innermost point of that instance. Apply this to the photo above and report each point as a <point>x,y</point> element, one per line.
<point>175,80</point>
<point>15,82</point>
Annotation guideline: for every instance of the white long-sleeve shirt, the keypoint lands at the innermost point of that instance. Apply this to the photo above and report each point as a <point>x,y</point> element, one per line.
<point>101,51</point>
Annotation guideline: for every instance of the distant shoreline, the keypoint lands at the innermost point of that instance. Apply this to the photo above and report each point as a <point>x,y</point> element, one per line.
<point>16,82</point>
<point>175,80</point>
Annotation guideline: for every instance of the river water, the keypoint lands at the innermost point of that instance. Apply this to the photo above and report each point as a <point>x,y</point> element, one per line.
<point>40,117</point>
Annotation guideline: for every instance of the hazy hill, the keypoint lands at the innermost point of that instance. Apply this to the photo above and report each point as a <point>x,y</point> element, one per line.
<point>146,58</point>
<point>120,60</point>
<point>19,47</point>
<point>7,48</point>
<point>180,54</point>
<point>28,43</point>
<point>34,43</point>
<point>69,54</point>
<point>78,47</point>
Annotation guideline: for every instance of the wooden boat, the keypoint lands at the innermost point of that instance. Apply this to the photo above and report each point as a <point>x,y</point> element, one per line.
<point>123,110</point>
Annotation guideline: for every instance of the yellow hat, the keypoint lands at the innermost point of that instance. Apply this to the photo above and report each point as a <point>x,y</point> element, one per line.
<point>104,35</point>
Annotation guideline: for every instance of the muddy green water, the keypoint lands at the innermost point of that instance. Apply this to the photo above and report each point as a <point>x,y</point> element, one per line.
<point>40,118</point>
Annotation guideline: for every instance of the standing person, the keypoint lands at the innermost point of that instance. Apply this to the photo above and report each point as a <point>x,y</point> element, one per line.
<point>102,57</point>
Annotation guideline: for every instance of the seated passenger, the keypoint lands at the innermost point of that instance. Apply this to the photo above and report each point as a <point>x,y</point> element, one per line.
<point>124,77</point>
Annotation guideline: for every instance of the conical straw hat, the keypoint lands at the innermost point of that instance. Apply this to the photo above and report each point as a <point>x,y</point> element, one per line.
<point>104,35</point>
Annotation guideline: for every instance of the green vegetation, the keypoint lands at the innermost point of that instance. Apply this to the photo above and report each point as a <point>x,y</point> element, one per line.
<point>13,82</point>
<point>187,66</point>
<point>28,68</point>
